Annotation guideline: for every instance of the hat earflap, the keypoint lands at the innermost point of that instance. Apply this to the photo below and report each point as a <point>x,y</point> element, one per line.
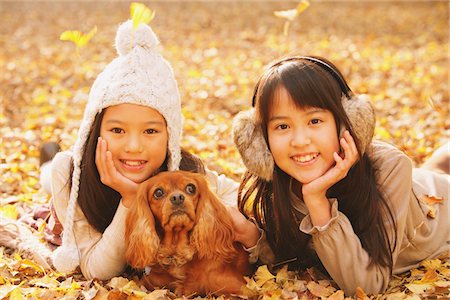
<point>249,139</point>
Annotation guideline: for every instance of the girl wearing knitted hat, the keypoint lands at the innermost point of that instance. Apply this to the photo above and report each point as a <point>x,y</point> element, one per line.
<point>130,131</point>
<point>324,192</point>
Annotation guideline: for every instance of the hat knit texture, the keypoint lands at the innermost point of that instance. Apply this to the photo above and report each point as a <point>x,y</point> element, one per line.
<point>139,75</point>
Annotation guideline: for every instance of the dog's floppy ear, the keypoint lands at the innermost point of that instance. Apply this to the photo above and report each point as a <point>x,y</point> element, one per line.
<point>140,235</point>
<point>213,234</point>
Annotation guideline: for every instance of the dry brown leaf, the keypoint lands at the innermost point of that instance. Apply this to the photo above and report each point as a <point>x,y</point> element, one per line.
<point>318,290</point>
<point>360,294</point>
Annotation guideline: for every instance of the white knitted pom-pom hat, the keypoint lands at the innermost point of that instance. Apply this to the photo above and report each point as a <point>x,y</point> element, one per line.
<point>139,75</point>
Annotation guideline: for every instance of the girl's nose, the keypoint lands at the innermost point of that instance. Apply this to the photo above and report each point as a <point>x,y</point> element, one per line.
<point>300,138</point>
<point>134,144</point>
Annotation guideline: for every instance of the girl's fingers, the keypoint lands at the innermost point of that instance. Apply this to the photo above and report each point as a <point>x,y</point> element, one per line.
<point>349,147</point>
<point>352,143</point>
<point>97,150</point>
<point>110,164</point>
<point>101,162</point>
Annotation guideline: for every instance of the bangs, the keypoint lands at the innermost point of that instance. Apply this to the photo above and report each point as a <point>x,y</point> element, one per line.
<point>310,87</point>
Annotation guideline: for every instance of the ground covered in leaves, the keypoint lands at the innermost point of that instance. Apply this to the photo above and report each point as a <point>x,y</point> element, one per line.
<point>397,52</point>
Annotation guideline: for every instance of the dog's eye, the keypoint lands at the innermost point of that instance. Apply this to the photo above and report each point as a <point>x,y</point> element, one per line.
<point>190,189</point>
<point>158,193</point>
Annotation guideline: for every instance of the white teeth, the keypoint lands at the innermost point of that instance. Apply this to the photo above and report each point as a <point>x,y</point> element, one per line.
<point>133,163</point>
<point>305,158</point>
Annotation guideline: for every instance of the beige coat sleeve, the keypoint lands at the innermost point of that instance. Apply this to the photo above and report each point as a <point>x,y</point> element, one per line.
<point>340,249</point>
<point>102,256</point>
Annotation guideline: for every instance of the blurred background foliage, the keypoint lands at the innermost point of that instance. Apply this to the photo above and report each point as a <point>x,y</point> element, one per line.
<point>397,52</point>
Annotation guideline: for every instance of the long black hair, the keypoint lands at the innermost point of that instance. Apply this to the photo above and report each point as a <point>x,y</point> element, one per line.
<point>98,201</point>
<point>360,198</point>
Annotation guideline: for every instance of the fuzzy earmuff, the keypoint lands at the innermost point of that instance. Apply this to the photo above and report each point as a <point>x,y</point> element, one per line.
<point>249,139</point>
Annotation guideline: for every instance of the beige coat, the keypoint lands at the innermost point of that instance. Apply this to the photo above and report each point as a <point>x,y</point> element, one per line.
<point>419,236</point>
<point>103,255</point>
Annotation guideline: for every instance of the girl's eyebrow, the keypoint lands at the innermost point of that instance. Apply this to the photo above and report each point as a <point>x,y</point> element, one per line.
<point>313,110</point>
<point>308,111</point>
<point>146,123</point>
<point>275,118</point>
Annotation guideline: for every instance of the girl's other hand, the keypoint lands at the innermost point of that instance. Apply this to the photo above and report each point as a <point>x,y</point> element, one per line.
<point>111,177</point>
<point>245,232</point>
<point>343,164</point>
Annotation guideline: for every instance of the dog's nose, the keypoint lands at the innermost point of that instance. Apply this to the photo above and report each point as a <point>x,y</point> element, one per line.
<point>177,199</point>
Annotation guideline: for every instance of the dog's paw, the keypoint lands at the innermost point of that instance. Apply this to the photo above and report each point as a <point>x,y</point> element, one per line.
<point>166,256</point>
<point>184,255</point>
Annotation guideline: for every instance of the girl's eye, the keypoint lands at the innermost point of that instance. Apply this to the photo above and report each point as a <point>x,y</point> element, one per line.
<point>117,130</point>
<point>190,189</point>
<point>283,126</point>
<point>150,131</point>
<point>315,121</point>
<point>158,193</point>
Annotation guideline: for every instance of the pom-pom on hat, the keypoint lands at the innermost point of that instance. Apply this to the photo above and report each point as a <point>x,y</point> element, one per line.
<point>139,75</point>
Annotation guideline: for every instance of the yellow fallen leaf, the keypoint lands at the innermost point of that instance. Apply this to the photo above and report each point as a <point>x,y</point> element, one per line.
<point>291,14</point>
<point>430,276</point>
<point>140,14</point>
<point>79,38</point>
<point>156,294</point>
<point>430,199</point>
<point>418,288</point>
<point>360,294</point>
<point>16,294</point>
<point>262,275</point>
<point>9,211</point>
<point>6,290</point>
<point>338,295</point>
<point>396,296</point>
<point>318,290</point>
<point>26,263</point>
<point>432,264</point>
<point>282,274</point>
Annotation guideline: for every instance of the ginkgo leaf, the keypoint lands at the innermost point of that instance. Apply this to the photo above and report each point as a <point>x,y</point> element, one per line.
<point>318,290</point>
<point>430,276</point>
<point>282,274</point>
<point>419,288</point>
<point>291,14</point>
<point>79,38</point>
<point>360,294</point>
<point>432,264</point>
<point>9,211</point>
<point>338,295</point>
<point>262,275</point>
<point>140,14</point>
<point>430,199</point>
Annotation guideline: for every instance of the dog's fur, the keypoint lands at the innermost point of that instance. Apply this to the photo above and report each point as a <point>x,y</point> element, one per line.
<point>179,228</point>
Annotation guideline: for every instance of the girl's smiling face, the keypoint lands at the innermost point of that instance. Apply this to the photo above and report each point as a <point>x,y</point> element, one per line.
<point>302,141</point>
<point>137,139</point>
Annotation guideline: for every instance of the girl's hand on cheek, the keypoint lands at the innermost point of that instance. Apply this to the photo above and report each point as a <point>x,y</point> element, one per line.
<point>111,177</point>
<point>314,192</point>
<point>320,185</point>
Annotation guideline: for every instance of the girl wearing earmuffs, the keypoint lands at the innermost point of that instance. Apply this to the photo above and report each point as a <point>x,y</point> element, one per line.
<point>323,191</point>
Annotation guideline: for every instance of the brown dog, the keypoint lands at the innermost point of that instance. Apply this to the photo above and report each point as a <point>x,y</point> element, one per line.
<point>180,229</point>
